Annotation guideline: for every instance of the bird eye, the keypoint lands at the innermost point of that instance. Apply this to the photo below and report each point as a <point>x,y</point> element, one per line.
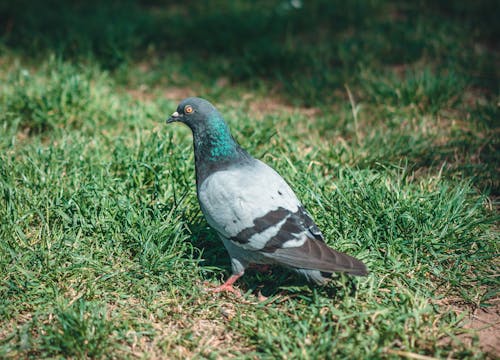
<point>188,109</point>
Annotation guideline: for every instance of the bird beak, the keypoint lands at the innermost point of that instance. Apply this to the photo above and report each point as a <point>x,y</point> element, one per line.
<point>173,118</point>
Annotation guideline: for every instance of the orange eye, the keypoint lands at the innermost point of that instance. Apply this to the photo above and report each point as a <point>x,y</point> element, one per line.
<point>188,109</point>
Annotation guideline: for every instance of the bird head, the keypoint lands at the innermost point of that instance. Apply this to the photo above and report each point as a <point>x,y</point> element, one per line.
<point>193,112</point>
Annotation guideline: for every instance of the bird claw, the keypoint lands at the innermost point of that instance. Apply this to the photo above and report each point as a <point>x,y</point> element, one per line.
<point>227,287</point>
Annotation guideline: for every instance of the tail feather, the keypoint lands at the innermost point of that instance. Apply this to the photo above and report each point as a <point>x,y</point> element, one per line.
<point>316,255</point>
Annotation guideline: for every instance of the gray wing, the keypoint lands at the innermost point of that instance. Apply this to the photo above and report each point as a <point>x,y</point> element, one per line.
<point>287,227</point>
<point>298,243</point>
<point>316,255</point>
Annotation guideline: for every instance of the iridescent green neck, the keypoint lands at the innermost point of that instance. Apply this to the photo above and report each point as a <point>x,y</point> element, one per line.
<point>214,147</point>
<point>214,142</point>
<point>222,144</point>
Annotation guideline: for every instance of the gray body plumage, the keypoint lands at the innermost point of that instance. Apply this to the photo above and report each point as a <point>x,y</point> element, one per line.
<point>260,220</point>
<point>255,212</point>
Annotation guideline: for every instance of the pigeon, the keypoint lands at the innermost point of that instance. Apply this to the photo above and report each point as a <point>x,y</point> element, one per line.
<point>256,214</point>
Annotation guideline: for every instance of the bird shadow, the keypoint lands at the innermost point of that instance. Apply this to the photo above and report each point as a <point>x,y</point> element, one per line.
<point>285,282</point>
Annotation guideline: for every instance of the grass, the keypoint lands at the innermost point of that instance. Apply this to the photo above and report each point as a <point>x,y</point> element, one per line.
<point>382,116</point>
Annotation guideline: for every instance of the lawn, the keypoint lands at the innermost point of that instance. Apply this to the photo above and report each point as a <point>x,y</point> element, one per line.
<point>382,116</point>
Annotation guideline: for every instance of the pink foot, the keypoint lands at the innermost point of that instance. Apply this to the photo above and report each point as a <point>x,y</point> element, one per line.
<point>228,285</point>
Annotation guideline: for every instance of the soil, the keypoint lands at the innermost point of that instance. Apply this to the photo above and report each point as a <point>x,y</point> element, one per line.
<point>486,324</point>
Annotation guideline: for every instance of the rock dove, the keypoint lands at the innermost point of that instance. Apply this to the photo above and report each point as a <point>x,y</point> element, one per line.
<point>255,212</point>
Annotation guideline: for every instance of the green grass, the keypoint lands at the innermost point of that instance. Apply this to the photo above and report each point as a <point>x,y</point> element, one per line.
<point>104,252</point>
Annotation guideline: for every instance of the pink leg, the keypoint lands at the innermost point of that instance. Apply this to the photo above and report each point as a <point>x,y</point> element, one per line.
<point>228,285</point>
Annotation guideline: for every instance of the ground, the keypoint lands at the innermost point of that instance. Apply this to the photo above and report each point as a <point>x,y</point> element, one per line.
<point>382,116</point>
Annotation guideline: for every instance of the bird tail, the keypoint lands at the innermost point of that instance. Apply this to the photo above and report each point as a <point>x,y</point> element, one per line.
<point>316,255</point>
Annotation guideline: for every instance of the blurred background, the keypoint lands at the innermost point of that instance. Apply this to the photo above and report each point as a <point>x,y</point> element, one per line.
<point>305,50</point>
